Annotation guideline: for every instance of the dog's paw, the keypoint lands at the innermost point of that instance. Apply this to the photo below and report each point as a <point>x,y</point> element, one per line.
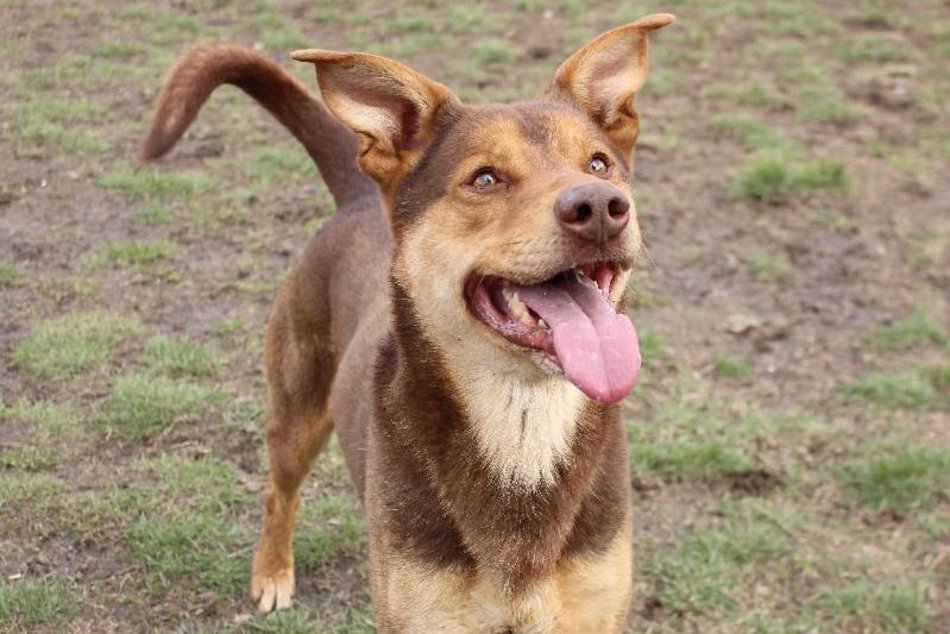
<point>273,592</point>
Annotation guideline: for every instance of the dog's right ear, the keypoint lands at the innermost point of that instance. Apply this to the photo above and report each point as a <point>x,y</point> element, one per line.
<point>390,107</point>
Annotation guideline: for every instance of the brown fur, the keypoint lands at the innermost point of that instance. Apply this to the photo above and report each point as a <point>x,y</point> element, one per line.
<point>497,496</point>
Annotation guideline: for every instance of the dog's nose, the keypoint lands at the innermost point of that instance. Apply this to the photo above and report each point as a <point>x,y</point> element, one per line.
<point>595,211</point>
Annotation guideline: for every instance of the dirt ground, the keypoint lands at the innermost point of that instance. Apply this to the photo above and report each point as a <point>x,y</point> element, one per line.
<point>790,439</point>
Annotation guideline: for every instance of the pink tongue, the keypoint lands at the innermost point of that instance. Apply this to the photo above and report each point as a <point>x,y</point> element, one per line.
<point>597,348</point>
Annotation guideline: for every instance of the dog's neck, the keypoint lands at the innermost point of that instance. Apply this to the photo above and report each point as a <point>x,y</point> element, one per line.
<point>515,501</point>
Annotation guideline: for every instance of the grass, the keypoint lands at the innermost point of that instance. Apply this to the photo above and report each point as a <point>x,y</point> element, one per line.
<point>204,482</point>
<point>693,434</point>
<point>140,405</point>
<point>729,368</point>
<point>917,328</point>
<point>155,214</point>
<point>769,178</point>
<point>831,108</point>
<point>52,418</point>
<point>299,621</point>
<point>179,358</point>
<point>684,459</point>
<point>874,48</point>
<point>701,575</point>
<point>135,252</point>
<point>192,549</point>
<point>149,184</point>
<point>25,489</point>
<point>329,527</point>
<point>835,220</point>
<point>48,120</point>
<point>28,604</point>
<point>754,94</point>
<point>771,268</point>
<point>907,390</point>
<point>753,134</point>
<point>29,457</point>
<point>902,479</point>
<point>71,344</point>
<point>9,273</point>
<point>893,606</point>
<point>494,51</point>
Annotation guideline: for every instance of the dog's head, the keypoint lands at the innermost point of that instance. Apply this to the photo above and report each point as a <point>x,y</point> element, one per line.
<point>515,226</point>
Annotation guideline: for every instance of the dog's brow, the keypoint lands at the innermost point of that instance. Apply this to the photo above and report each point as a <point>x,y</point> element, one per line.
<point>535,129</point>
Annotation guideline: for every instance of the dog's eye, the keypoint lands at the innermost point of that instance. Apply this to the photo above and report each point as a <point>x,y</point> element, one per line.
<point>598,164</point>
<point>485,178</point>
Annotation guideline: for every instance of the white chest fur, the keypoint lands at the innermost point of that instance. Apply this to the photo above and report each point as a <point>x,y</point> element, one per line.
<point>523,429</point>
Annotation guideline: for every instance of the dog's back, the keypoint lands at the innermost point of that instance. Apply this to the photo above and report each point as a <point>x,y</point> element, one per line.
<point>338,292</point>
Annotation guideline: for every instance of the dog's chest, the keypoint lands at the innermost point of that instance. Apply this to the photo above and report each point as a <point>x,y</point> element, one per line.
<point>523,430</point>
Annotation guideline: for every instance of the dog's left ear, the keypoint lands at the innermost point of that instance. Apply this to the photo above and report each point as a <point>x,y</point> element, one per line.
<point>603,77</point>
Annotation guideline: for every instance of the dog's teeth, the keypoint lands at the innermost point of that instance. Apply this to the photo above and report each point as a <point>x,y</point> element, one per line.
<point>542,323</point>
<point>517,308</point>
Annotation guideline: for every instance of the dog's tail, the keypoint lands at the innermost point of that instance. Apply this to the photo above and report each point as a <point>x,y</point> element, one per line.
<point>201,70</point>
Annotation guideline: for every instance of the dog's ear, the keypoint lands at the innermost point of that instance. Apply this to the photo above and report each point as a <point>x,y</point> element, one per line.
<point>390,107</point>
<point>603,77</point>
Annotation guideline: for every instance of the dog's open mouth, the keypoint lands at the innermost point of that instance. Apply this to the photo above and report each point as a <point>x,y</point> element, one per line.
<point>566,321</point>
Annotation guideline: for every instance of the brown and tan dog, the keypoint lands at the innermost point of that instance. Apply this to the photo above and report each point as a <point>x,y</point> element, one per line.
<point>457,322</point>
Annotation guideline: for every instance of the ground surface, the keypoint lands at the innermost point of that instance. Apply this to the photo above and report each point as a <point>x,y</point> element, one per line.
<point>790,440</point>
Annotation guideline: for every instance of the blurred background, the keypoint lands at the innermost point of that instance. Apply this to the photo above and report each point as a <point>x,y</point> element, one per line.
<point>789,440</point>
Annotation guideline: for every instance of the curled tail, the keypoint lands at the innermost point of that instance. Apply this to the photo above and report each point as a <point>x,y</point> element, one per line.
<point>201,70</point>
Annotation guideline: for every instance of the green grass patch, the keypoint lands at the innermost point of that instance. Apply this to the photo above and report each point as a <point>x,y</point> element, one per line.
<point>907,390</point>
<point>72,344</point>
<point>141,405</point>
<point>652,346</point>
<point>753,134</point>
<point>119,50</point>
<point>494,51</point>
<point>29,457</point>
<point>21,489</point>
<point>135,252</point>
<point>180,358</point>
<point>874,48</point>
<point>9,273</point>
<point>917,328</point>
<point>29,604</point>
<point>196,550</point>
<point>52,418</point>
<point>730,368</point>
<point>755,95</point>
<point>771,177</point>
<point>938,376</point>
<point>891,607</point>
<point>329,527</point>
<point>147,183</point>
<point>155,214</point>
<point>903,480</point>
<point>205,482</point>
<point>700,576</point>
<point>682,459</point>
<point>831,108</point>
<point>771,268</point>
<point>298,620</point>
<point>49,120</point>
<point>835,220</point>
<point>696,433</point>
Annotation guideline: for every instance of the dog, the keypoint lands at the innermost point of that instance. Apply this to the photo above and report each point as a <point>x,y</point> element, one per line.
<point>459,322</point>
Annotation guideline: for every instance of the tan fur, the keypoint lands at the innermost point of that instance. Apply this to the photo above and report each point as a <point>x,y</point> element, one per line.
<point>497,494</point>
<point>585,595</point>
